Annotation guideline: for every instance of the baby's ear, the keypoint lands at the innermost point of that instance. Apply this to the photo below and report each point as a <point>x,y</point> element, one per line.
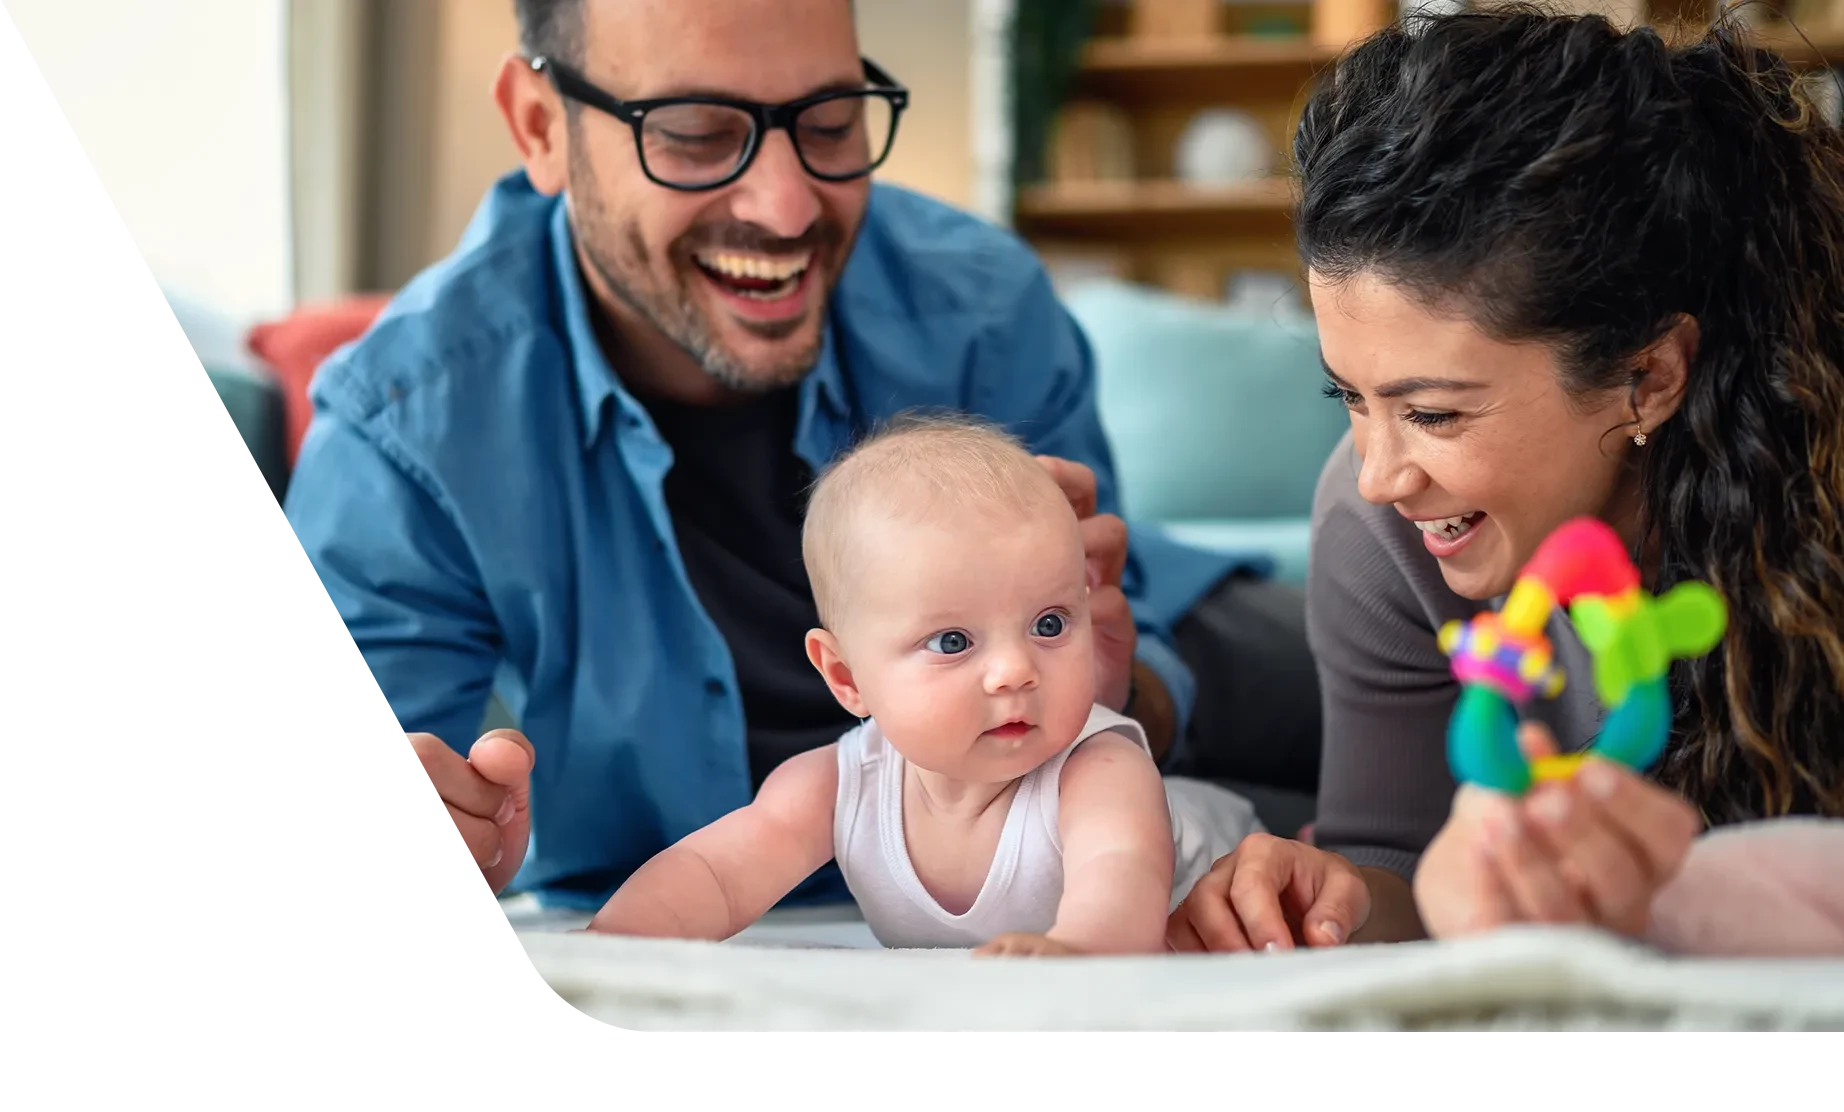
<point>823,651</point>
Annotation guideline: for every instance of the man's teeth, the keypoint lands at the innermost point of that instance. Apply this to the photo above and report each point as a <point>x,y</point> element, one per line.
<point>1449,526</point>
<point>756,266</point>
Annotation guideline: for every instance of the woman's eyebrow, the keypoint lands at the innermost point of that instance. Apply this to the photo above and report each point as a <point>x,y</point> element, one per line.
<point>1403,387</point>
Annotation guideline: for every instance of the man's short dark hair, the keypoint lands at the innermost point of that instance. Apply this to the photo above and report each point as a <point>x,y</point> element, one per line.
<point>551,27</point>
<point>555,28</point>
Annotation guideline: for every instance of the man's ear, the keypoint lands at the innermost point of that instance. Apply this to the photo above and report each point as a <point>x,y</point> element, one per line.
<point>823,651</point>
<point>1666,374</point>
<point>534,114</point>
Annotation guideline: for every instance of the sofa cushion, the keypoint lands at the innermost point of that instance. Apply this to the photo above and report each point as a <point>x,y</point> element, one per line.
<point>294,346</point>
<point>1286,541</point>
<point>1212,413</point>
<point>255,407</point>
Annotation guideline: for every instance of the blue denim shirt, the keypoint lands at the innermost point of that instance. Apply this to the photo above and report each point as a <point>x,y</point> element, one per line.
<point>482,500</point>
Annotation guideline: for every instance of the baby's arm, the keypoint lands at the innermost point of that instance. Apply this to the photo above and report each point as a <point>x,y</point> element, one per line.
<point>719,880</point>
<point>1117,850</point>
<point>1773,888</point>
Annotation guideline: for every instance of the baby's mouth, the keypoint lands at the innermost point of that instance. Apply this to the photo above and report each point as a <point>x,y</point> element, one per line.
<point>1013,729</point>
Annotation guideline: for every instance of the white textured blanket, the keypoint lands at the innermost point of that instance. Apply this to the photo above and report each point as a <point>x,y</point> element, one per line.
<point>1523,979</point>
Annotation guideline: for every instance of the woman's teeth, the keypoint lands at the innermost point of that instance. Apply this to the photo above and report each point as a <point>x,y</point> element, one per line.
<point>1450,527</point>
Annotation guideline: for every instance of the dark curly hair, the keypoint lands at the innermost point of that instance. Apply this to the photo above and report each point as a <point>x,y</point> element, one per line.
<point>1572,184</point>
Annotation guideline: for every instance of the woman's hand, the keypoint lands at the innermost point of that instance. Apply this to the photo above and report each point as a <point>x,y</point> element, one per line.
<point>1592,850</point>
<point>1271,894</point>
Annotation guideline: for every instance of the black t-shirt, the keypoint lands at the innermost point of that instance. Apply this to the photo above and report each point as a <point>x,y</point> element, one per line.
<point>736,494</point>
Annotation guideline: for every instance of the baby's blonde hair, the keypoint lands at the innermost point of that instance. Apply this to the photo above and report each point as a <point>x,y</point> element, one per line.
<point>918,467</point>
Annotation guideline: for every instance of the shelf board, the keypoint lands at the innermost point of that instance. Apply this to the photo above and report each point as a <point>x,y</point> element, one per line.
<point>1154,209</point>
<point>1227,66</point>
<point>1826,46</point>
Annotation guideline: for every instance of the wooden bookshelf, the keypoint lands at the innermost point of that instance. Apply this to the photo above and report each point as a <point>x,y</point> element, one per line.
<point>1189,238</point>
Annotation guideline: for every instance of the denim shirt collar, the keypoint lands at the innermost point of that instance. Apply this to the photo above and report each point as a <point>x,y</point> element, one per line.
<point>597,383</point>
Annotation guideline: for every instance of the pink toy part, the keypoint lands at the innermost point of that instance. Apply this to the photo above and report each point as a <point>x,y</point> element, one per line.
<point>1503,667</point>
<point>1583,557</point>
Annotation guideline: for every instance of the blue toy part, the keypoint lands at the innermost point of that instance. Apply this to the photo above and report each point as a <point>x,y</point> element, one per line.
<point>1482,742</point>
<point>1635,732</point>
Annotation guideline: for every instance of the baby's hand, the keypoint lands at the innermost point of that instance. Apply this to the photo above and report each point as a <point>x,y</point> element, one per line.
<point>1021,945</point>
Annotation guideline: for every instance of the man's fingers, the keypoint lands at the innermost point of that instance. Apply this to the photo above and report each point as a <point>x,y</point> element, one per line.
<point>503,757</point>
<point>481,835</point>
<point>1104,544</point>
<point>458,783</point>
<point>1076,481</point>
<point>1110,612</point>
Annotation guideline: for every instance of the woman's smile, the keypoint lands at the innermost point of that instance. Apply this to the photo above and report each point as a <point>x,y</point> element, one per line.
<point>1448,536</point>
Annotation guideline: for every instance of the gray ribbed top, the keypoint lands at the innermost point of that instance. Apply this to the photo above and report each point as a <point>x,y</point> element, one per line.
<point>1375,601</point>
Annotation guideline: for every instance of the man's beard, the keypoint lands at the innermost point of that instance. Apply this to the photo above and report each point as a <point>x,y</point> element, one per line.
<point>674,312</point>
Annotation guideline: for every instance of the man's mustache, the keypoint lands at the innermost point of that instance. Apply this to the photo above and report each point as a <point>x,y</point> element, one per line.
<point>743,236</point>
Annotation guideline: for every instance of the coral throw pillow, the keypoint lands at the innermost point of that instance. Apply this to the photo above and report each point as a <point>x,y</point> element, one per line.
<point>295,346</point>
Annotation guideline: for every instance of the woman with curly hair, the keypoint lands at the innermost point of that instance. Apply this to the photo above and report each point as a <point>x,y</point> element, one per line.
<point>1560,270</point>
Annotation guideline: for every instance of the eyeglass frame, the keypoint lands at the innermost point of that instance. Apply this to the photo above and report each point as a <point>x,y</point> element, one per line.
<point>572,85</point>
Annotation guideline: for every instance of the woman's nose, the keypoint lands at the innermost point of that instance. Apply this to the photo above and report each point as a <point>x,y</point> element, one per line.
<point>1387,474</point>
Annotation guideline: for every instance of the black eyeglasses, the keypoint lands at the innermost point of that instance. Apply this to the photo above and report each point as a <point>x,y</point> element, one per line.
<point>697,143</point>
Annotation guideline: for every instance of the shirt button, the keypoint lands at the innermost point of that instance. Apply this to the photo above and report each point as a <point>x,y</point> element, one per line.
<point>714,687</point>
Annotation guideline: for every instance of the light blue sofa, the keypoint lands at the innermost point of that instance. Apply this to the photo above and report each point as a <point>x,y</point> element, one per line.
<point>1216,417</point>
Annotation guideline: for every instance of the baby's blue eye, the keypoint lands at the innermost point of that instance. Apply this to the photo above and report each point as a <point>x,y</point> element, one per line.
<point>1050,625</point>
<point>949,643</point>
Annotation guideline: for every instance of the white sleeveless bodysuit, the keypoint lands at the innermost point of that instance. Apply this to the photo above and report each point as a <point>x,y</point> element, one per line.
<point>1025,881</point>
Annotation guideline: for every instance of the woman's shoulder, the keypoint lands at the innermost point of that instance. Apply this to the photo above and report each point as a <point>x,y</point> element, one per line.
<point>1368,563</point>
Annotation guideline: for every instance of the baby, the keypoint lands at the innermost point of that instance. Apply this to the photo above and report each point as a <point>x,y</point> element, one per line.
<point>986,801</point>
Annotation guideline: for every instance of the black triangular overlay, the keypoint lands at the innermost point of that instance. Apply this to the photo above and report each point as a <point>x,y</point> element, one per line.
<point>224,742</point>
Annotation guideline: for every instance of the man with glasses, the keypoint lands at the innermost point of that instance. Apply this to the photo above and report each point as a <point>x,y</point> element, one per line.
<point>567,464</point>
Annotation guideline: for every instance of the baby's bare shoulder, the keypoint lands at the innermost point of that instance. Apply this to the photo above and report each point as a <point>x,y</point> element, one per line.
<point>1106,765</point>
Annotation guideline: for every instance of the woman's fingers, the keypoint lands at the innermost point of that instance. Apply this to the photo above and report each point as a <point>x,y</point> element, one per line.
<point>1535,741</point>
<point>1341,908</point>
<point>1212,918</point>
<point>1660,824</point>
<point>1530,875</point>
<point>1181,936</point>
<point>1266,870</point>
<point>1604,865</point>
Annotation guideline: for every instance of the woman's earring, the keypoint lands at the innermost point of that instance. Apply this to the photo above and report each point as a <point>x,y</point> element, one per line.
<point>1639,437</point>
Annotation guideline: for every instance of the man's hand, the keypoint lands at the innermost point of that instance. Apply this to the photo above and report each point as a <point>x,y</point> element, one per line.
<point>1021,945</point>
<point>488,794</point>
<point>1271,894</point>
<point>1591,851</point>
<point>1104,542</point>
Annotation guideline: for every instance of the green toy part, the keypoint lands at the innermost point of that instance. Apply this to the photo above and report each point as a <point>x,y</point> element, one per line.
<point>1687,622</point>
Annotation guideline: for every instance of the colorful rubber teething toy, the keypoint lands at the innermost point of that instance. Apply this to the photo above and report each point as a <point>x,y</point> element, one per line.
<point>1503,659</point>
